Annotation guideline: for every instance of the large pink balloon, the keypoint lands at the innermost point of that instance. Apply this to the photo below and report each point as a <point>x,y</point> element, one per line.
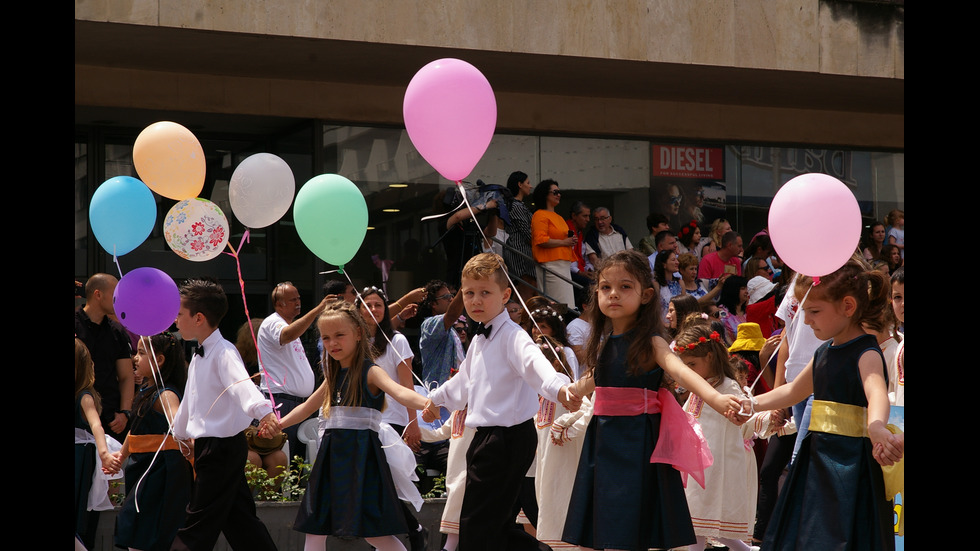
<point>815,224</point>
<point>450,114</point>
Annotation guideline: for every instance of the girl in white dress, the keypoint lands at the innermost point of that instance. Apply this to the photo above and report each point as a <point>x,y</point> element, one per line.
<point>725,508</point>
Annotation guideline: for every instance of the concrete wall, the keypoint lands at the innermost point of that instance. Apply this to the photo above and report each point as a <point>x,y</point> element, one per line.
<point>821,73</point>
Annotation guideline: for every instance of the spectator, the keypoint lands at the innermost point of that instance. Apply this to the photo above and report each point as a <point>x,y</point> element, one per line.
<point>605,238</point>
<point>656,223</point>
<point>723,261</point>
<point>553,244</point>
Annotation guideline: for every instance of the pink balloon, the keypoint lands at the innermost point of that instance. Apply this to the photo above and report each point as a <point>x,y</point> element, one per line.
<point>815,224</point>
<point>450,114</point>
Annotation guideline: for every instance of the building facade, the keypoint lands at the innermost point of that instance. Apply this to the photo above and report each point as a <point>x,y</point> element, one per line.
<point>600,96</point>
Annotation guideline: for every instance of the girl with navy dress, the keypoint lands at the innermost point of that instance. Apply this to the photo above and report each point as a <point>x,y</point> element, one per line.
<point>90,440</point>
<point>629,492</point>
<point>351,491</point>
<point>834,496</point>
<point>158,485</point>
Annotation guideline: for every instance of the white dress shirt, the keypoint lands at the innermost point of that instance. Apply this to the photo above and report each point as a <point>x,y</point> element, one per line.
<point>398,351</point>
<point>219,400</point>
<point>286,364</point>
<point>500,378</point>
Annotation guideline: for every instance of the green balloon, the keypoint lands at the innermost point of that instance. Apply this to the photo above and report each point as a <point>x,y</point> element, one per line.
<point>331,218</point>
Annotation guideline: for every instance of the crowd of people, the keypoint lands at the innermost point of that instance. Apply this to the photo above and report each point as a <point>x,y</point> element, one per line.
<point>564,419</point>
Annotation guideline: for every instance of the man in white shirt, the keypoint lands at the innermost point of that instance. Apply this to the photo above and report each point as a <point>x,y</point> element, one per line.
<point>284,368</point>
<point>605,238</point>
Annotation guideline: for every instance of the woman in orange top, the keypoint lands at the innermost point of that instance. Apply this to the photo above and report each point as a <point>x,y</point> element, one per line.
<point>553,244</point>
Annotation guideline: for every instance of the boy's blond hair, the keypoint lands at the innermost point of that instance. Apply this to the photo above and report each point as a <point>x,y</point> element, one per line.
<point>486,266</point>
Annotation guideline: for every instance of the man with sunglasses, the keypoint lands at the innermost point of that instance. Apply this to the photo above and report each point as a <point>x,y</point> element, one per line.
<point>605,238</point>
<point>439,345</point>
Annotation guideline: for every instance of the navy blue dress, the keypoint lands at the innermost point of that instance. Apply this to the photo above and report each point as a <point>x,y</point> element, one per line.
<point>834,495</point>
<point>84,468</point>
<point>350,491</point>
<point>162,494</point>
<point>620,499</point>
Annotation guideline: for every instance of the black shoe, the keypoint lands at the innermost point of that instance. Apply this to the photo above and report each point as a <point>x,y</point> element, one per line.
<point>418,539</point>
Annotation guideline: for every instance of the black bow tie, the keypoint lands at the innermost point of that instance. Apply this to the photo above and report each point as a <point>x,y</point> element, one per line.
<point>199,350</point>
<point>482,330</point>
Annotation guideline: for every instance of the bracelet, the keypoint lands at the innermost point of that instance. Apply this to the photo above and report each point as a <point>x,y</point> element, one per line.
<point>399,316</point>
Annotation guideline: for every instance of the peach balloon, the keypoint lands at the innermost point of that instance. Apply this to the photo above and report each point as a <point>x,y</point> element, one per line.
<point>170,160</point>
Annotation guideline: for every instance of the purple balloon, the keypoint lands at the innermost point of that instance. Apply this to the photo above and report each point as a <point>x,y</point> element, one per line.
<point>146,301</point>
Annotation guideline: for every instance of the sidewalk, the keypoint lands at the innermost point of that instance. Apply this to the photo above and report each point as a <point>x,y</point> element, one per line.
<point>279,517</point>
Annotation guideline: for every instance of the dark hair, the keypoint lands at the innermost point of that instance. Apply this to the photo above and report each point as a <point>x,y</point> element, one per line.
<point>172,370</point>
<point>729,238</point>
<point>204,296</point>
<point>685,306</point>
<point>655,219</point>
<point>871,290</point>
<point>431,288</point>
<point>649,320</point>
<point>514,180</point>
<point>384,332</point>
<point>540,193</point>
<point>331,368</point>
<point>659,265</point>
<point>699,340</point>
<point>659,238</point>
<point>686,234</point>
<point>577,207</point>
<point>869,240</point>
<point>886,257</point>
<point>559,361</point>
<point>759,242</point>
<point>729,297</point>
<point>548,316</point>
<point>335,287</point>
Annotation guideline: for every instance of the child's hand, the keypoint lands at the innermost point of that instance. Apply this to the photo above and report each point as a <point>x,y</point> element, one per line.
<point>890,450</point>
<point>569,399</point>
<point>430,413</point>
<point>187,449</point>
<point>111,462</point>
<point>269,426</point>
<point>559,434</point>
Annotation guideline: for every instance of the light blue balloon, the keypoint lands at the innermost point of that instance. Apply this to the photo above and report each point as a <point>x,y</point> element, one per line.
<point>122,213</point>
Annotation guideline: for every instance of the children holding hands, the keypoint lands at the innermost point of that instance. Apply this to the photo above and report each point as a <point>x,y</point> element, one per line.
<point>834,495</point>
<point>499,382</point>
<point>219,402</point>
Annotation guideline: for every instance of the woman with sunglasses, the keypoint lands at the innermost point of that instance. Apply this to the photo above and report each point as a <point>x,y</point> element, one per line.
<point>553,244</point>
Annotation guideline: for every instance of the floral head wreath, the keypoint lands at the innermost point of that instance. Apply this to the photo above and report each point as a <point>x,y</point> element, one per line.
<point>690,227</point>
<point>714,336</point>
<point>547,311</point>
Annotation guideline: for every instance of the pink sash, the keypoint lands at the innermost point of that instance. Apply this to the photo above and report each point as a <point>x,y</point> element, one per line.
<point>680,443</point>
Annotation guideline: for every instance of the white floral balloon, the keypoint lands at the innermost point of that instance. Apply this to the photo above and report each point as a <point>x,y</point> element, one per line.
<point>196,229</point>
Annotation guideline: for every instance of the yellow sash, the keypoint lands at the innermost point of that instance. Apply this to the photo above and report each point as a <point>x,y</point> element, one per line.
<point>851,420</point>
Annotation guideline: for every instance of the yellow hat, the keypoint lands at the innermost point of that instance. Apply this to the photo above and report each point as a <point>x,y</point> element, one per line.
<point>749,337</point>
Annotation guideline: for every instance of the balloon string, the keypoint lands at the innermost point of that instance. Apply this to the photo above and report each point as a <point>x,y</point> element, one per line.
<point>168,414</point>
<point>251,328</point>
<point>378,330</point>
<point>115,260</point>
<point>503,269</point>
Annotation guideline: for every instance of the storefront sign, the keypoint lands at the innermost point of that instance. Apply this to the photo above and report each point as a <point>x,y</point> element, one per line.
<point>682,161</point>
